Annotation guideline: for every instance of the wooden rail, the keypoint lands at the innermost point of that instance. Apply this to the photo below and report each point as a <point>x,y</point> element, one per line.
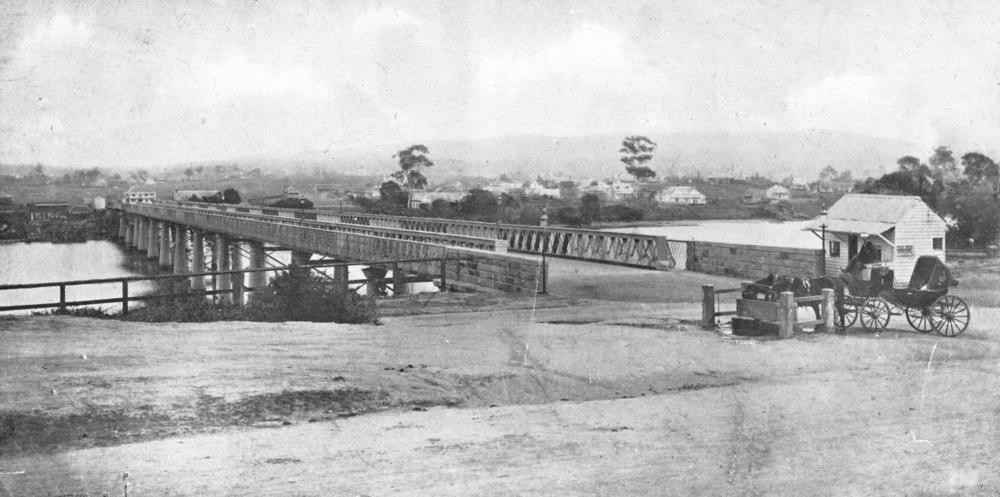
<point>607,247</point>
<point>126,298</point>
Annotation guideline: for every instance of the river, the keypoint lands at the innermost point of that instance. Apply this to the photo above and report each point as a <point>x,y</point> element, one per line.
<point>43,262</point>
<point>744,232</point>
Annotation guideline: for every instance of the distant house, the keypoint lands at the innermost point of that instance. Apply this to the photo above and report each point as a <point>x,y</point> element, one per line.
<point>754,196</point>
<point>621,190</point>
<point>79,211</point>
<point>99,203</point>
<point>6,198</point>
<point>538,188</point>
<point>777,193</point>
<point>48,210</point>
<point>452,192</point>
<point>899,228</point>
<point>291,193</point>
<point>680,195</point>
<point>499,187</point>
<point>136,195</point>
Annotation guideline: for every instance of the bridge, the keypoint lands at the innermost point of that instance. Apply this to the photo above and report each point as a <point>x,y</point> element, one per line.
<point>185,238</point>
<point>479,256</point>
<point>607,247</point>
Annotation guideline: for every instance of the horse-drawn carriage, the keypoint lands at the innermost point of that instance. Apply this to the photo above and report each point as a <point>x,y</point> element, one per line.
<point>871,299</point>
<point>865,293</point>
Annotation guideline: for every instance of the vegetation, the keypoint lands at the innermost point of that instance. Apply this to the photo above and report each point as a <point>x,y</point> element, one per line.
<point>636,152</point>
<point>291,296</point>
<point>969,198</point>
<point>411,161</point>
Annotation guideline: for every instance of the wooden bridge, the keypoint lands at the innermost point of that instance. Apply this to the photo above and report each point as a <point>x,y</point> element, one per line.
<point>606,247</point>
<point>178,236</point>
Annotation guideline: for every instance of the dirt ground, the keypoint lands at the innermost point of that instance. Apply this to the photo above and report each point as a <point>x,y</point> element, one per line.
<point>577,394</point>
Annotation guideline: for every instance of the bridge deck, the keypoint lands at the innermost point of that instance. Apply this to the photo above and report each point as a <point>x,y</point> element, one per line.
<point>607,247</point>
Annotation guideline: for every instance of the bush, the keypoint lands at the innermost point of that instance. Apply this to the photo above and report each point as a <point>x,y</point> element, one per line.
<point>288,297</point>
<point>620,212</point>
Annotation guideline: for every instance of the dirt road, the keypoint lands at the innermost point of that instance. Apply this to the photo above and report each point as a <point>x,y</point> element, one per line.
<point>610,399</point>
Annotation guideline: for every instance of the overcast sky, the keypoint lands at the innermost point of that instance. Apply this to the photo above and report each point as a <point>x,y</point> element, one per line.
<point>140,83</point>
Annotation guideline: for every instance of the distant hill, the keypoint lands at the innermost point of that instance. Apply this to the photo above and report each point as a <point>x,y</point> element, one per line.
<point>771,154</point>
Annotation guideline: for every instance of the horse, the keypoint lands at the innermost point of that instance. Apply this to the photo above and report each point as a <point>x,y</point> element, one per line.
<point>771,286</point>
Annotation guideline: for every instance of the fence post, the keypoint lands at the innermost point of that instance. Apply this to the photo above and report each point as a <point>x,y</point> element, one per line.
<point>708,306</point>
<point>124,297</point>
<point>827,310</point>
<point>62,297</point>
<point>786,315</point>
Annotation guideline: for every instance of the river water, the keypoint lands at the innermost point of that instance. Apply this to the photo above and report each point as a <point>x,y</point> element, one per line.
<point>748,232</point>
<point>42,262</point>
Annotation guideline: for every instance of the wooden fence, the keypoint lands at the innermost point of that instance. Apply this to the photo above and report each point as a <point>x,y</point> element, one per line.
<point>442,274</point>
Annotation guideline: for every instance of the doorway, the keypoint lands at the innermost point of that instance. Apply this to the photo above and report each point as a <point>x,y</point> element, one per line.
<point>852,246</point>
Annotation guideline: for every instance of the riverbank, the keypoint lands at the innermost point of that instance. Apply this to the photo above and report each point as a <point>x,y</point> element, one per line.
<point>626,398</point>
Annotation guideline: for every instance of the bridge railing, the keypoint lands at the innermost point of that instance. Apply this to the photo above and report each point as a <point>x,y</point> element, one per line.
<point>593,245</point>
<point>473,268</point>
<point>445,273</point>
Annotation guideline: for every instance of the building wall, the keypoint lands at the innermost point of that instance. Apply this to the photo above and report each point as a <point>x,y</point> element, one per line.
<point>752,261</point>
<point>917,229</point>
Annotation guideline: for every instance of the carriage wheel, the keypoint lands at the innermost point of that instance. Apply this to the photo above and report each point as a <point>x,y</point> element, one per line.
<point>920,318</point>
<point>950,315</point>
<point>849,309</point>
<point>874,314</point>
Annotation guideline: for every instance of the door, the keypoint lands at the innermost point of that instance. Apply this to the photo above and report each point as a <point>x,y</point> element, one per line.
<point>852,246</point>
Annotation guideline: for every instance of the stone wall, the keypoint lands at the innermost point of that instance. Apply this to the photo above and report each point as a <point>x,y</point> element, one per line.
<point>752,261</point>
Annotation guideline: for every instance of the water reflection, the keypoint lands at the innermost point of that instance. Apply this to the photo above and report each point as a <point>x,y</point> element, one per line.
<point>22,263</point>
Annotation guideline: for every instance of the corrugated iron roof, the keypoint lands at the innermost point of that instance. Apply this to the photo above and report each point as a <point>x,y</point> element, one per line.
<point>866,213</point>
<point>868,207</point>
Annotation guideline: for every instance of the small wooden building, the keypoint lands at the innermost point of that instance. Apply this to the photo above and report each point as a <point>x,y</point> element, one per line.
<point>900,228</point>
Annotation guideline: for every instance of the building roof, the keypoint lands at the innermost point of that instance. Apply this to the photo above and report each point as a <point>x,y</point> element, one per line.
<point>681,190</point>
<point>778,188</point>
<point>867,213</point>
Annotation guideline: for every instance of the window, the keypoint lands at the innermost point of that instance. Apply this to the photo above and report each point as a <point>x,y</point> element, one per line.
<point>834,248</point>
<point>938,243</point>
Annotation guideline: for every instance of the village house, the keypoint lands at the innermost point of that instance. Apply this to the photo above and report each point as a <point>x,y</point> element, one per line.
<point>136,195</point>
<point>79,212</point>
<point>452,192</point>
<point>538,188</point>
<point>900,229</point>
<point>777,193</point>
<point>39,211</point>
<point>680,195</point>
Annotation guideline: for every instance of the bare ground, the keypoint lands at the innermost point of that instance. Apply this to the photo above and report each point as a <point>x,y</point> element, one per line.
<point>560,397</point>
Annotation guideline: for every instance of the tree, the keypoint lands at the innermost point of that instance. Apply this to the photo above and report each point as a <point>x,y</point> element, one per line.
<point>943,164</point>
<point>980,167</point>
<point>590,207</point>
<point>478,204</point>
<point>828,174</point>
<point>392,195</point>
<point>189,172</point>
<point>636,152</point>
<point>230,196</point>
<point>411,160</point>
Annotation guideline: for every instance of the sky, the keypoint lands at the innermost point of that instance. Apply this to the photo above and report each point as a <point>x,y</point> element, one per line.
<point>137,83</point>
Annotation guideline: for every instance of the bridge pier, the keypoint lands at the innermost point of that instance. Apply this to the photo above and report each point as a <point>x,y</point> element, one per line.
<point>398,286</point>
<point>258,260</point>
<point>129,234</point>
<point>152,240</point>
<point>197,259</point>
<point>374,275</point>
<point>340,278</point>
<point>221,256</point>
<point>180,250</point>
<point>299,260</point>
<point>235,264</point>
<point>122,226</point>
<point>164,229</point>
<point>141,238</point>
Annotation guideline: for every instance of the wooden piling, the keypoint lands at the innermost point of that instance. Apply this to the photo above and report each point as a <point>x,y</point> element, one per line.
<point>708,306</point>
<point>827,310</point>
<point>786,315</point>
